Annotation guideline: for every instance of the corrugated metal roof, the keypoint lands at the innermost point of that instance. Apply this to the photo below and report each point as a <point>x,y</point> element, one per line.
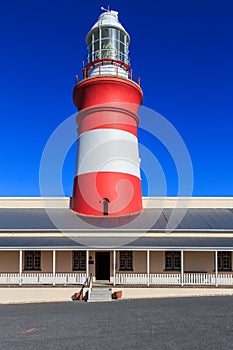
<point>148,220</point>
<point>183,242</point>
<point>155,243</point>
<point>38,242</point>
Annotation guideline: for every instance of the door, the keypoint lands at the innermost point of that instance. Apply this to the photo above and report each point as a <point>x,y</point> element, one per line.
<point>102,265</point>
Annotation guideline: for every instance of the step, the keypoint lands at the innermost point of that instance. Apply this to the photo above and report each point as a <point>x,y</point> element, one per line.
<point>100,294</point>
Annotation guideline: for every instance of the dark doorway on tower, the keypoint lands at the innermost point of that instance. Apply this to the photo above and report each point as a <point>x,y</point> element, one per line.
<point>102,266</point>
<point>105,206</point>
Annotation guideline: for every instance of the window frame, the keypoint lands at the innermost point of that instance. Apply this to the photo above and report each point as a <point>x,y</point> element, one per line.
<point>79,260</point>
<point>224,255</point>
<point>126,260</point>
<point>173,255</point>
<point>34,255</point>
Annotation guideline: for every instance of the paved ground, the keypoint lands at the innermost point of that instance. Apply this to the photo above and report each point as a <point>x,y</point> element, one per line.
<point>200,323</point>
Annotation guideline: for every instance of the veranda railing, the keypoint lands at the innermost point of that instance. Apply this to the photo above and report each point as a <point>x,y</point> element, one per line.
<point>206,279</point>
<point>194,278</point>
<point>42,278</point>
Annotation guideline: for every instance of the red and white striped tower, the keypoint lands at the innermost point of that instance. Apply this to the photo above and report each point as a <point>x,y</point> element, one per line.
<point>107,179</point>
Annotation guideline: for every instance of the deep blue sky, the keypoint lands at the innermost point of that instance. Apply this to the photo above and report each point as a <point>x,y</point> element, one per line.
<point>182,50</point>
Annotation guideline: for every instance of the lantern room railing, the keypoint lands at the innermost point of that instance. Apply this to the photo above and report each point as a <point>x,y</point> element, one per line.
<point>109,67</point>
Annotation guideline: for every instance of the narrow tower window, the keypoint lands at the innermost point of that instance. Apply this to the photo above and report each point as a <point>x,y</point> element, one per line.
<point>105,206</point>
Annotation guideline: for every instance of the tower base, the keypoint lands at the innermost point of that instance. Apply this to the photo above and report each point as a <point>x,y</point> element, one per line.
<point>106,193</point>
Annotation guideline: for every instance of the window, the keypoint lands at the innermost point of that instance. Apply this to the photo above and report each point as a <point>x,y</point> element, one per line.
<point>32,260</point>
<point>172,261</point>
<point>108,43</point>
<point>105,206</point>
<point>79,261</point>
<point>224,261</point>
<point>126,261</point>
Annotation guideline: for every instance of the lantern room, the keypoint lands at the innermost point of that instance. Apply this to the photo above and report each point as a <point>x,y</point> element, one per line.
<point>108,47</point>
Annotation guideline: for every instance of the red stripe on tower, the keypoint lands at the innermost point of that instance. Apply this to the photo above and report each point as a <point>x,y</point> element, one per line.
<point>107,179</point>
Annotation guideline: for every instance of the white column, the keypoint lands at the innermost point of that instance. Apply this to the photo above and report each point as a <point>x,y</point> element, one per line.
<point>216,268</point>
<point>54,266</point>
<point>114,267</point>
<point>20,266</point>
<point>182,267</point>
<point>148,267</point>
<point>87,263</point>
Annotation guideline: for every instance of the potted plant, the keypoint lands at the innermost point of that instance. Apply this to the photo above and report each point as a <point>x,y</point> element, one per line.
<point>117,294</point>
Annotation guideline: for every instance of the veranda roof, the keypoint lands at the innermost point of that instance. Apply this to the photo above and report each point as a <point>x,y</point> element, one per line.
<point>154,229</point>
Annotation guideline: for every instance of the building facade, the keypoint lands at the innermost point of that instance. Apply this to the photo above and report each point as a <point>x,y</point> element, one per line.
<point>198,251</point>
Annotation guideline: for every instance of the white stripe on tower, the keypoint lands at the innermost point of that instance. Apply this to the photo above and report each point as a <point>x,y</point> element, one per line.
<point>108,150</point>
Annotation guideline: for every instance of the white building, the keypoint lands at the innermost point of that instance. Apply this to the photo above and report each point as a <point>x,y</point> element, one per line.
<point>135,250</point>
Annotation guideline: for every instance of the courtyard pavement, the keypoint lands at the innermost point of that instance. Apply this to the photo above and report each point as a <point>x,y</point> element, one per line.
<point>197,323</point>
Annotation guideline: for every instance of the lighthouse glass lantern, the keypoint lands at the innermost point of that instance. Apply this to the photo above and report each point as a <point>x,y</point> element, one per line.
<point>108,40</point>
<point>107,178</point>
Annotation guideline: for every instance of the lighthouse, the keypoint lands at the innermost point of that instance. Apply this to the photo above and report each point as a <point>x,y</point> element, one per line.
<point>107,175</point>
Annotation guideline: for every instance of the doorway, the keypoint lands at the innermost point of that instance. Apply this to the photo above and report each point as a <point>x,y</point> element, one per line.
<point>105,206</point>
<point>102,265</point>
